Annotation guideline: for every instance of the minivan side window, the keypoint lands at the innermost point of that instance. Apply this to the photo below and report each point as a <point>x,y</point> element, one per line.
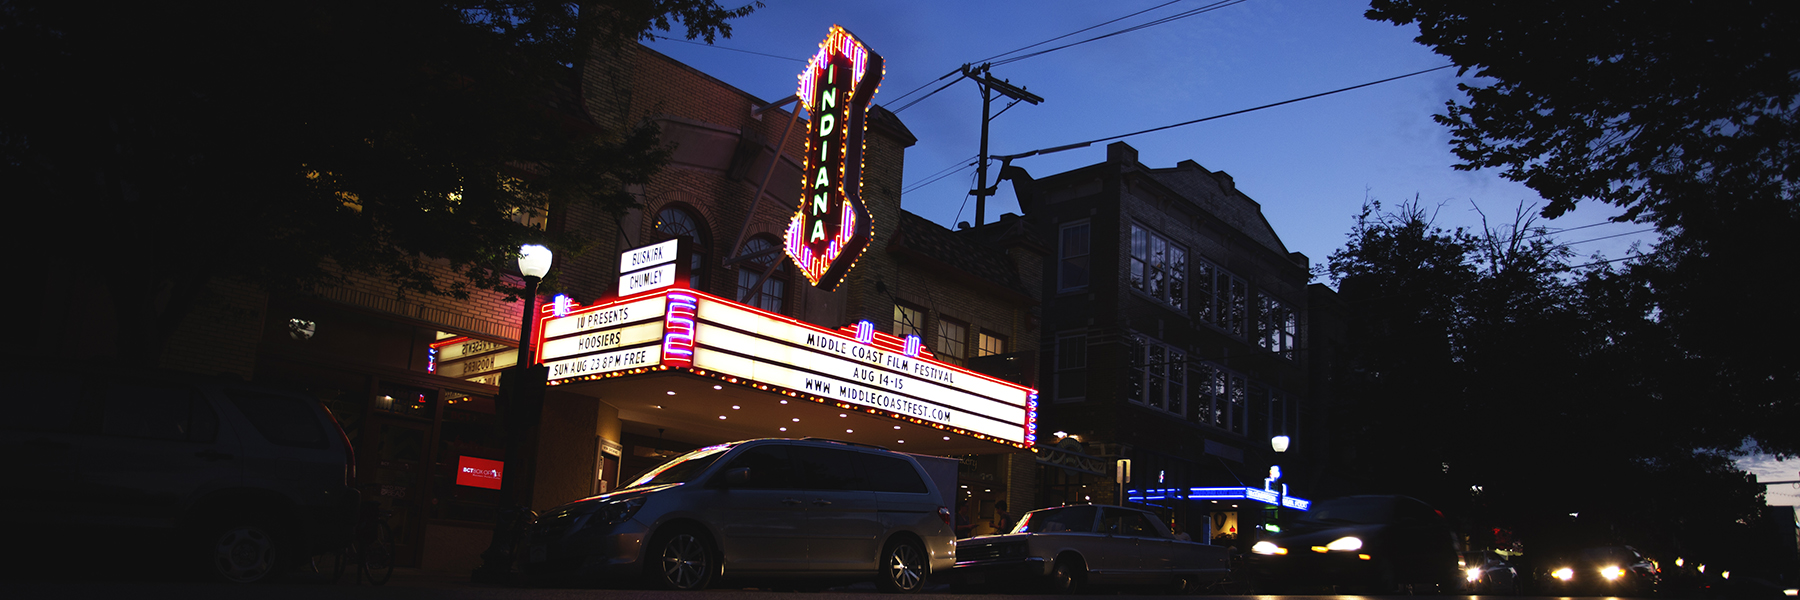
<point>283,420</point>
<point>885,473</point>
<point>770,468</point>
<point>829,469</point>
<point>159,413</point>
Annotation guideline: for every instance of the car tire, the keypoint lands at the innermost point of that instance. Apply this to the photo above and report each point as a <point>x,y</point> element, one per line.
<point>1067,576</point>
<point>681,559</point>
<point>242,551</point>
<point>903,567</point>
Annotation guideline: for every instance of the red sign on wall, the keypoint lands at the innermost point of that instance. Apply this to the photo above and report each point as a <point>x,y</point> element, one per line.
<point>479,472</point>
<point>832,228</point>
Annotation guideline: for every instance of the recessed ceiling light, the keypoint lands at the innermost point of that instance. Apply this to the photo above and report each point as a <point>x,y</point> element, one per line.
<point>849,431</point>
<point>671,392</point>
<point>734,407</point>
<point>659,406</point>
<point>784,429</point>
<point>842,415</point>
<point>784,402</point>
<point>796,419</point>
<point>902,441</point>
<point>946,438</point>
<point>721,417</point>
<point>718,387</point>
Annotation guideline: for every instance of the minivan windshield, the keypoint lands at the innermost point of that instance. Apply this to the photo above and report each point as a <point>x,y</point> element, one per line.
<point>683,468</point>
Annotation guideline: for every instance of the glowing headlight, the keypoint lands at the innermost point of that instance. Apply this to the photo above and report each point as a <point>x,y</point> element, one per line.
<point>1345,544</point>
<point>1266,547</point>
<point>1611,572</point>
<point>1473,574</point>
<point>1563,574</point>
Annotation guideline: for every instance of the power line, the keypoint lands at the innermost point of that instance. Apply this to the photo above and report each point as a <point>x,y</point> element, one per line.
<point>1077,31</point>
<point>1204,9</point>
<point>664,37</point>
<point>1234,113</point>
<point>945,172</point>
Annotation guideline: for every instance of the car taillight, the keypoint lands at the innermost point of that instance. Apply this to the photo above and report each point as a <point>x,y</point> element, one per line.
<point>944,513</point>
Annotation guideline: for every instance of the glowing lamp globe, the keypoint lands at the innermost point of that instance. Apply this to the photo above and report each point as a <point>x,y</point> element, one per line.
<point>534,260</point>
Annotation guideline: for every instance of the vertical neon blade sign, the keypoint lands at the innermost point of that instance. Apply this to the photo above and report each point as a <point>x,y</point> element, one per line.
<point>678,328</point>
<point>831,229</point>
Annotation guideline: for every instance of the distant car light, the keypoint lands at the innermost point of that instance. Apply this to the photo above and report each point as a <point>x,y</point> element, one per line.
<point>1473,574</point>
<point>1266,548</point>
<point>1563,574</point>
<point>1345,544</point>
<point>1612,572</point>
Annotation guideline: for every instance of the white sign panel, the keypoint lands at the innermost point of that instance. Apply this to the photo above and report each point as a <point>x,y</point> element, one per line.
<point>606,318</point>
<point>468,348</point>
<point>646,280</point>
<point>602,340</point>
<point>747,344</point>
<point>606,362</point>
<point>647,256</point>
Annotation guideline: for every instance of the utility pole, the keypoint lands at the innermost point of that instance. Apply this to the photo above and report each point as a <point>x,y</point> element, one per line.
<point>989,85</point>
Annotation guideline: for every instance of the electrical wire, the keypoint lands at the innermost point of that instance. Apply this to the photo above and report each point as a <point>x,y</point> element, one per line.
<point>933,93</point>
<point>1204,9</point>
<point>788,58</point>
<point>1235,112</point>
<point>1075,32</point>
<point>942,173</point>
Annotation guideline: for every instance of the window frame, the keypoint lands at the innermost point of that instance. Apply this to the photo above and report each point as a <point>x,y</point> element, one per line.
<point>1157,267</point>
<point>1065,259</point>
<point>952,349</point>
<point>1064,367</point>
<point>1277,326</point>
<point>1151,380</point>
<point>981,343</point>
<point>754,270</point>
<point>899,328</point>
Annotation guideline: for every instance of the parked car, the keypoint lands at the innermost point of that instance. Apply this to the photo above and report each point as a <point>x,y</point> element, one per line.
<point>1375,543</point>
<point>768,509</point>
<point>239,481</point>
<point>1597,570</point>
<point>1489,574</point>
<point>1067,548</point>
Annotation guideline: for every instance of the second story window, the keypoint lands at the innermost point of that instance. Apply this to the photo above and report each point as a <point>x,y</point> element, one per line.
<point>1072,257</point>
<point>1277,326</point>
<point>1158,374</point>
<point>1071,367</point>
<point>774,289</point>
<point>1158,267</point>
<point>674,222</point>
<point>991,344</point>
<point>908,321</point>
<point>953,342</point>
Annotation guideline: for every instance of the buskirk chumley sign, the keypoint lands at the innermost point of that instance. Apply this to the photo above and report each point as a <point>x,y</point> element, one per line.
<point>832,227</point>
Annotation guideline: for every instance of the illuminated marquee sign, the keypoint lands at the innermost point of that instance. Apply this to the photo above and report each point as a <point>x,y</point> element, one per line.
<point>832,228</point>
<point>469,358</point>
<point>880,373</point>
<point>1265,496</point>
<point>479,472</point>
<point>653,267</point>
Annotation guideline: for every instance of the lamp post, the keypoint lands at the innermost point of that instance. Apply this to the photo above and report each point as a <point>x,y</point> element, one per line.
<point>522,394</point>
<point>1280,445</point>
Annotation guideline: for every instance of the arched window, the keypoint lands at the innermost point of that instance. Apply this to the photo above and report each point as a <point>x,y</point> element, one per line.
<point>674,222</point>
<point>774,289</point>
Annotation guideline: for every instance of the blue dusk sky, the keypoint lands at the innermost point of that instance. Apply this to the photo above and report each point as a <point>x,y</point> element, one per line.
<point>1309,164</point>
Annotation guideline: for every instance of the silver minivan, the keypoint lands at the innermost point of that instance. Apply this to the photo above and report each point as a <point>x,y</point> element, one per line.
<point>767,509</point>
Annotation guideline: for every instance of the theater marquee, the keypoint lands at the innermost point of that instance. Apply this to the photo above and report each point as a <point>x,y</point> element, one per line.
<point>852,367</point>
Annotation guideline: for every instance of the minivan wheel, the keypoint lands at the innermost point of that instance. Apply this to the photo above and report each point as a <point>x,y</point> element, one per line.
<point>681,560</point>
<point>903,567</point>
<point>242,552</point>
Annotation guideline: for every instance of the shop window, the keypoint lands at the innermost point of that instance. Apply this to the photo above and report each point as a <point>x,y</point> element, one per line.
<point>774,289</point>
<point>470,429</point>
<point>674,222</point>
<point>952,342</point>
<point>404,400</point>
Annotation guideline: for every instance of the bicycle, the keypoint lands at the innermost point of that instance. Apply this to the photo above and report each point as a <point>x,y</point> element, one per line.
<point>371,549</point>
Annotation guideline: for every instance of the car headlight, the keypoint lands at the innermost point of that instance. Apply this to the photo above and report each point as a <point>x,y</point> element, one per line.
<point>1473,574</point>
<point>1611,572</point>
<point>1266,547</point>
<point>1345,544</point>
<point>1563,574</point>
<point>609,513</point>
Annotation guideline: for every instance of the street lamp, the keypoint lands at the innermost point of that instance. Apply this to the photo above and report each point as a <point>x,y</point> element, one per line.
<point>1279,443</point>
<point>522,391</point>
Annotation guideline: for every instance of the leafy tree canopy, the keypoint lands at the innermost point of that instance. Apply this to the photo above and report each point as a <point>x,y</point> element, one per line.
<point>286,143</point>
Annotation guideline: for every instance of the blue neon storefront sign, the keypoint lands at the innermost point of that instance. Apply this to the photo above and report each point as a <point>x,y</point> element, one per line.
<point>1270,497</point>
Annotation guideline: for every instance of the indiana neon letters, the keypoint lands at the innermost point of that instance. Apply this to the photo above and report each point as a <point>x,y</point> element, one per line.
<point>831,229</point>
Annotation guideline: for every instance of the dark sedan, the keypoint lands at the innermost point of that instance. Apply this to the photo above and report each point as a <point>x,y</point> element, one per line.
<point>1070,547</point>
<point>1374,543</point>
